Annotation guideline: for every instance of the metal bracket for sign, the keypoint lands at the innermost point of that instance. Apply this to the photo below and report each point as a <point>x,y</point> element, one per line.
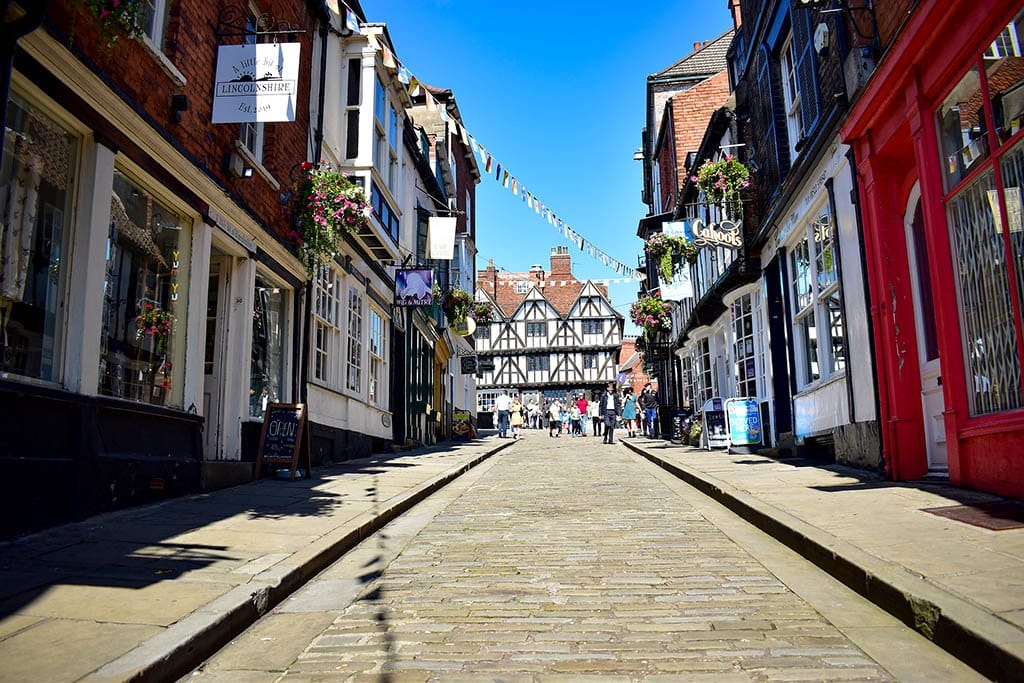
<point>845,8</point>
<point>235,21</point>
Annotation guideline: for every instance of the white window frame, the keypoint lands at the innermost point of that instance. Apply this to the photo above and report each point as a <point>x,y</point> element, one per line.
<point>791,96</point>
<point>157,10</point>
<point>377,386</point>
<point>354,343</point>
<point>812,307</point>
<point>327,332</point>
<point>522,288</point>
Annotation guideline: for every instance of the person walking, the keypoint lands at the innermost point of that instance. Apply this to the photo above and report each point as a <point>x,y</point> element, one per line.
<point>649,404</point>
<point>574,420</point>
<point>516,416</point>
<point>531,413</point>
<point>502,405</point>
<point>595,416</point>
<point>554,418</point>
<point>611,406</point>
<point>629,411</point>
<point>583,405</point>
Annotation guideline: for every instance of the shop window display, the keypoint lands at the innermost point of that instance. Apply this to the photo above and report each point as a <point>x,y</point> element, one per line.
<point>144,298</point>
<point>36,195</point>
<point>266,384</point>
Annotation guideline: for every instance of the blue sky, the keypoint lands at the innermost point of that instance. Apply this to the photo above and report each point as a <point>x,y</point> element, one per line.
<point>556,92</point>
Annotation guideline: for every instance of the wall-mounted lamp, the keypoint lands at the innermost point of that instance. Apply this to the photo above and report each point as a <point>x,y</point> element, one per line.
<point>179,105</point>
<point>237,166</point>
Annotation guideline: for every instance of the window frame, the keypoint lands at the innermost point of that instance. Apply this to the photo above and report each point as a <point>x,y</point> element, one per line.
<point>377,359</point>
<point>326,331</point>
<point>791,95</point>
<point>354,343</point>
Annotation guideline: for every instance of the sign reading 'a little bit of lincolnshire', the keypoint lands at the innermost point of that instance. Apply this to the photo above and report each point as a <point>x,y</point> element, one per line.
<point>256,83</point>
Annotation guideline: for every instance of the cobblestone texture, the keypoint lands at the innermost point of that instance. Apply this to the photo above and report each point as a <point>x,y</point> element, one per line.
<point>568,561</point>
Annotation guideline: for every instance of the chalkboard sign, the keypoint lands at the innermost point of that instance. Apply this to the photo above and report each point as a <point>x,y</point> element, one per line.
<point>284,437</point>
<point>716,431</point>
<point>677,427</point>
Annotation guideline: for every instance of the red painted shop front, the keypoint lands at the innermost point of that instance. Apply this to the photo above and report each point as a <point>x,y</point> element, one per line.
<point>938,135</point>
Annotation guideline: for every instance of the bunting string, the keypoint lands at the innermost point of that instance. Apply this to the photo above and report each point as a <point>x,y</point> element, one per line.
<point>494,168</point>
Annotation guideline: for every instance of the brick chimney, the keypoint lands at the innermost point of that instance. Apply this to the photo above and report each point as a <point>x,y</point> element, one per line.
<point>561,263</point>
<point>487,279</point>
<point>537,274</point>
<point>697,45</point>
<point>734,7</point>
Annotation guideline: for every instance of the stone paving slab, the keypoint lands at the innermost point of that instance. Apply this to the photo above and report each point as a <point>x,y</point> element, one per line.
<point>146,593</point>
<point>960,585</point>
<point>568,563</point>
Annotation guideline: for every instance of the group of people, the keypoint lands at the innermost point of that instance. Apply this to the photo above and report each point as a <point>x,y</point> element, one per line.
<point>605,413</point>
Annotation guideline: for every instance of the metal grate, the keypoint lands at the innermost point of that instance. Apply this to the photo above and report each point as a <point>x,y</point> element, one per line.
<point>986,316</point>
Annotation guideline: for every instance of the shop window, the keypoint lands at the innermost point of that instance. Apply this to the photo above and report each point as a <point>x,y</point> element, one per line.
<point>705,372</point>
<point>269,341</point>
<point>36,201</point>
<point>984,218</point>
<point>327,332</point>
<point>144,298</point>
<point>745,342</point>
<point>378,359</point>
<point>817,319</point>
<point>354,355</point>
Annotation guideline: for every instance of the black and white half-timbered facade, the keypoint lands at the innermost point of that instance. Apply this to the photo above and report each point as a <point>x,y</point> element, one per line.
<point>551,333</point>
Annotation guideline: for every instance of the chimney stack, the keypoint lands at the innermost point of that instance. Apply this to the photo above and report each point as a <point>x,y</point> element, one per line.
<point>697,45</point>
<point>561,263</point>
<point>734,6</point>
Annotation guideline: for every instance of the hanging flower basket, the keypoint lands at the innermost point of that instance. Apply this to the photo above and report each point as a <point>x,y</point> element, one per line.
<point>117,17</point>
<point>456,304</point>
<point>651,314</point>
<point>723,181</point>
<point>482,312</point>
<point>154,322</point>
<point>326,205</point>
<point>666,249</point>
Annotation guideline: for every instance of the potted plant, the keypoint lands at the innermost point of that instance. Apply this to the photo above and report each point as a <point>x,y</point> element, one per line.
<point>666,249</point>
<point>117,17</point>
<point>326,206</point>
<point>483,312</point>
<point>695,431</point>
<point>723,181</point>
<point>651,314</point>
<point>456,305</point>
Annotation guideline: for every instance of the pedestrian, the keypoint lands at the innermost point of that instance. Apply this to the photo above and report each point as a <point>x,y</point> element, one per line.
<point>502,405</point>
<point>516,416</point>
<point>574,420</point>
<point>595,415</point>
<point>649,404</point>
<point>629,411</point>
<point>611,406</point>
<point>554,418</point>
<point>583,405</point>
<point>531,413</point>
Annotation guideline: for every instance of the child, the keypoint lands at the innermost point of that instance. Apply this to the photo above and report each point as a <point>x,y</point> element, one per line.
<point>574,420</point>
<point>554,419</point>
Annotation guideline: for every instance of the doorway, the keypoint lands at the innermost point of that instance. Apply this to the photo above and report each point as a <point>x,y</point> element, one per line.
<point>932,400</point>
<point>213,362</point>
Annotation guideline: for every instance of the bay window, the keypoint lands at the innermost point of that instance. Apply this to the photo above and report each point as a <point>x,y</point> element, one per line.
<point>144,297</point>
<point>36,204</point>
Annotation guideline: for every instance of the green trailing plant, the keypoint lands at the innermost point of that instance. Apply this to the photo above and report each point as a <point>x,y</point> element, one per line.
<point>154,322</point>
<point>326,205</point>
<point>651,314</point>
<point>665,248</point>
<point>723,181</point>
<point>696,428</point>
<point>456,304</point>
<point>117,17</point>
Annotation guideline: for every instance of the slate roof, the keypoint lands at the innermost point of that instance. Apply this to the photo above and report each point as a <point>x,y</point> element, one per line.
<point>704,62</point>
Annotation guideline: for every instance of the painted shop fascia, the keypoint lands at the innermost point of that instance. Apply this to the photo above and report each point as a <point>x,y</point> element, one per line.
<point>937,134</point>
<point>140,237</point>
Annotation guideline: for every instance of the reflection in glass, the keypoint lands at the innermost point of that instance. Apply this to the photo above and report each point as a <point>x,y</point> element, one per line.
<point>961,119</point>
<point>36,194</point>
<point>266,375</point>
<point>1004,70</point>
<point>144,298</point>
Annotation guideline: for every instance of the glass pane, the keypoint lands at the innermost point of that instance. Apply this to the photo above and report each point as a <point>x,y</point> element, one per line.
<point>986,316</point>
<point>962,129</point>
<point>825,251</point>
<point>803,295</point>
<point>143,348</point>
<point>36,194</point>
<point>267,367</point>
<point>1004,69</point>
<point>837,343</point>
<point>1012,167</point>
<point>808,334</point>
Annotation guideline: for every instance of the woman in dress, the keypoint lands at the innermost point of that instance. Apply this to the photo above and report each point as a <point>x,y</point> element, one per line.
<point>516,416</point>
<point>629,412</point>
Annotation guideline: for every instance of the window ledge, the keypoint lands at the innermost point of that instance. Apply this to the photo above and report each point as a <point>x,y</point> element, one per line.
<point>256,165</point>
<point>808,389</point>
<point>165,63</point>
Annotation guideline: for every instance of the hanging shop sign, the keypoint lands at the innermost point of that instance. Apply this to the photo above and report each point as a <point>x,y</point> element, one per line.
<point>441,238</point>
<point>256,83</point>
<point>414,287</point>
<point>468,364</point>
<point>724,234</point>
<point>463,328</point>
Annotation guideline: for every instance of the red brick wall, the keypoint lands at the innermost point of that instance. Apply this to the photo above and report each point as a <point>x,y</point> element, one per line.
<point>191,46</point>
<point>560,287</point>
<point>691,111</point>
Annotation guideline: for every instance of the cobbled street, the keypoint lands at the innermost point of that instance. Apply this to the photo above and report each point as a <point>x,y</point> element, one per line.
<point>560,558</point>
